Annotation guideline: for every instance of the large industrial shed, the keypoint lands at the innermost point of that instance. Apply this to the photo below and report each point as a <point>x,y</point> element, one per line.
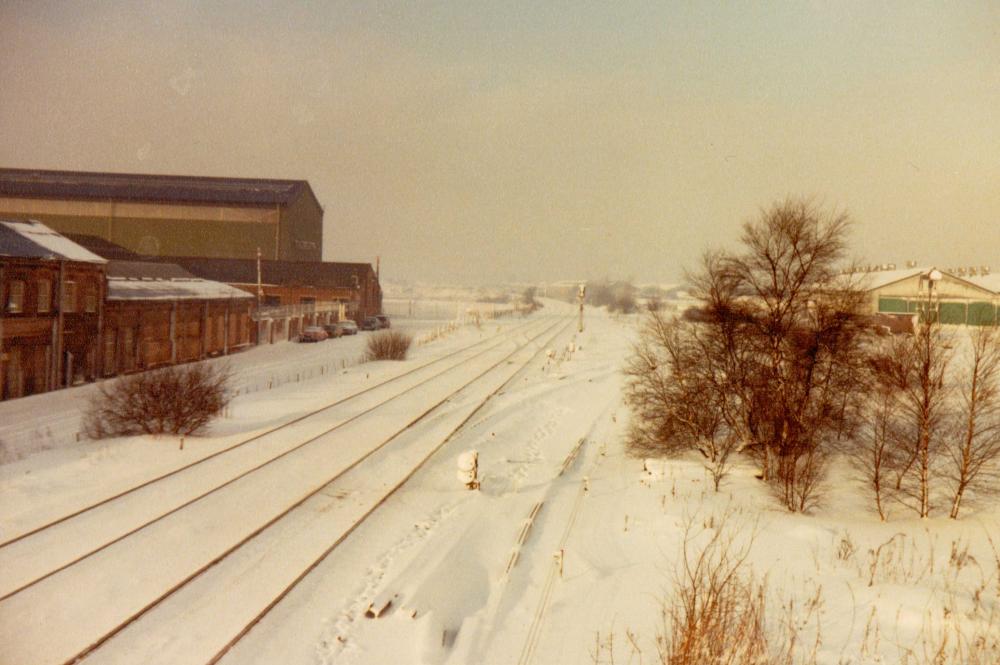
<point>959,300</point>
<point>164,215</point>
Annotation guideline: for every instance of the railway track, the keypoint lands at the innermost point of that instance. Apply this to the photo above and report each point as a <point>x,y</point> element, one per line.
<point>132,549</point>
<point>64,544</point>
<point>48,524</point>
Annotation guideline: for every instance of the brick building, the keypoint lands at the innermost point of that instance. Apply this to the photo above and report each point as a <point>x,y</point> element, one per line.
<point>159,314</point>
<point>51,291</point>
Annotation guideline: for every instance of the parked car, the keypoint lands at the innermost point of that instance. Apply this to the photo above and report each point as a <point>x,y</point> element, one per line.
<point>333,330</point>
<point>347,327</point>
<point>383,321</point>
<point>371,323</point>
<point>312,334</point>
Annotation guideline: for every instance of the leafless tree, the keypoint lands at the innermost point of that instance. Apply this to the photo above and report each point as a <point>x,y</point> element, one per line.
<point>776,352</point>
<point>975,453</point>
<point>916,369</point>
<point>873,453</point>
<point>679,393</point>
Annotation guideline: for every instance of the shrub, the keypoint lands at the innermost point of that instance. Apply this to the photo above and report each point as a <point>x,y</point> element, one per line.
<point>181,399</point>
<point>388,345</point>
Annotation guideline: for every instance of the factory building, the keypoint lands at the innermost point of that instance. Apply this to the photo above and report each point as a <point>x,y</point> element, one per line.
<point>167,215</point>
<point>966,298</point>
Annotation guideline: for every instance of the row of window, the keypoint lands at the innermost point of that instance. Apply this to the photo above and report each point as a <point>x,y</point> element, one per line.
<point>16,297</point>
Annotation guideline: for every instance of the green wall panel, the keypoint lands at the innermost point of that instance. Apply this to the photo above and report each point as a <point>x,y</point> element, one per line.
<point>892,305</point>
<point>982,314</point>
<point>952,312</point>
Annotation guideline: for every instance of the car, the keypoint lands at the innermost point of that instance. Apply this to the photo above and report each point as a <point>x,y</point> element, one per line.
<point>312,334</point>
<point>383,321</point>
<point>371,323</point>
<point>333,330</point>
<point>347,327</point>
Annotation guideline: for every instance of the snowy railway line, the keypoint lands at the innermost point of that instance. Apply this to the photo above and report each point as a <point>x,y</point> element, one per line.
<point>207,537</point>
<point>45,550</point>
<point>282,426</point>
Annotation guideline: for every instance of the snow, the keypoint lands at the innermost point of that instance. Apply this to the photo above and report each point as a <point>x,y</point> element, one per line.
<point>59,246</point>
<point>171,289</point>
<point>564,554</point>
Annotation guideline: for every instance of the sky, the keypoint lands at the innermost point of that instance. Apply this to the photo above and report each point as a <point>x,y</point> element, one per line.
<point>474,142</point>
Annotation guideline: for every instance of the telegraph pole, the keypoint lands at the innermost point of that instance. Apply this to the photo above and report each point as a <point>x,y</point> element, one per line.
<point>581,295</point>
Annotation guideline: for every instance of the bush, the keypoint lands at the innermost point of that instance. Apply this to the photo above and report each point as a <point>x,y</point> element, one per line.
<point>388,345</point>
<point>181,399</point>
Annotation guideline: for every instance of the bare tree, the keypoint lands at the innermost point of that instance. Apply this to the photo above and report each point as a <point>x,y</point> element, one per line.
<point>916,367</point>
<point>792,325</point>
<point>772,364</point>
<point>679,393</point>
<point>873,452</point>
<point>975,453</point>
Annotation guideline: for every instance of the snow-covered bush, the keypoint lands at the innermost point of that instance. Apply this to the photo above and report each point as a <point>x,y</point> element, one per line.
<point>388,345</point>
<point>181,399</point>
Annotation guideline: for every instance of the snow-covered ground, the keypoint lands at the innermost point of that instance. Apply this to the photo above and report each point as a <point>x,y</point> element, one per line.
<point>564,555</point>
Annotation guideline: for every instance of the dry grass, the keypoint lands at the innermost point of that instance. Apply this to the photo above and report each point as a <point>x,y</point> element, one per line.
<point>388,345</point>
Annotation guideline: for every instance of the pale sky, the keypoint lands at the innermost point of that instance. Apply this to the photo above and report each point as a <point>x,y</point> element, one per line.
<point>480,141</point>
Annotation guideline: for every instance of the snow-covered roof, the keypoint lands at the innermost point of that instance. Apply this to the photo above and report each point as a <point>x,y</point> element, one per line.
<point>990,282</point>
<point>148,280</point>
<point>33,240</point>
<point>879,278</point>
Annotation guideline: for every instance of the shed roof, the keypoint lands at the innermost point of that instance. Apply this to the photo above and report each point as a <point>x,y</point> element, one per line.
<point>37,183</point>
<point>990,282</point>
<point>33,240</point>
<point>143,280</point>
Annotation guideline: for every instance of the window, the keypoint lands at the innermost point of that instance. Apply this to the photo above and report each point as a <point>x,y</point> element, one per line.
<point>69,297</point>
<point>15,296</point>
<point>90,299</point>
<point>44,296</point>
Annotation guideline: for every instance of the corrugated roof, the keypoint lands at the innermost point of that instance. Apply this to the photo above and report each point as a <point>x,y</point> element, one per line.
<point>36,183</point>
<point>32,239</point>
<point>149,280</point>
<point>121,288</point>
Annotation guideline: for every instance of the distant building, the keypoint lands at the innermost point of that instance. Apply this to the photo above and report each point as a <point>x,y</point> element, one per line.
<point>165,215</point>
<point>958,300</point>
<point>293,294</point>
<point>296,294</point>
